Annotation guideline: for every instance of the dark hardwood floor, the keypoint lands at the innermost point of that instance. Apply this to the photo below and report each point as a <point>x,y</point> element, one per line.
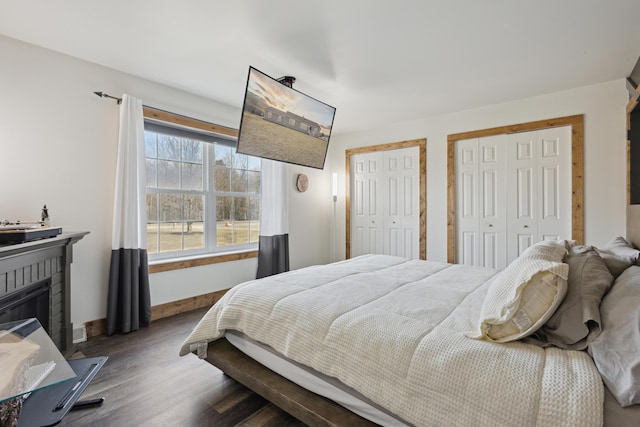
<point>146,383</point>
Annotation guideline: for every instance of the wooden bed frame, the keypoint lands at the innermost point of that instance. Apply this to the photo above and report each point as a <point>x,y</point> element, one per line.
<point>306,406</point>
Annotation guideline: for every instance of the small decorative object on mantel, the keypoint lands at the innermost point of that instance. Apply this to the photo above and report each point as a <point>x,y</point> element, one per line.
<point>44,216</point>
<point>302,183</point>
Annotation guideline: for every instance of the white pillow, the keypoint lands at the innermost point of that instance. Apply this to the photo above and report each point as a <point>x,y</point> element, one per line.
<point>525,294</point>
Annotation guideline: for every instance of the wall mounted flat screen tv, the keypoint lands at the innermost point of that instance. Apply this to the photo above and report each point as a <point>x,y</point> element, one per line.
<point>280,123</point>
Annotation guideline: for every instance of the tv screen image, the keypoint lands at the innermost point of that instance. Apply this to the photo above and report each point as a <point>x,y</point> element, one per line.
<point>280,123</point>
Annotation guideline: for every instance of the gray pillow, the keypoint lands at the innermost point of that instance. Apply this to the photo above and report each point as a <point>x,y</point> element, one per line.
<point>616,351</point>
<point>619,255</point>
<point>576,322</point>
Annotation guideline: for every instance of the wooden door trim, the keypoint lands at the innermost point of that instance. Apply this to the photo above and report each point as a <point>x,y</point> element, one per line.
<point>422,145</point>
<point>577,171</point>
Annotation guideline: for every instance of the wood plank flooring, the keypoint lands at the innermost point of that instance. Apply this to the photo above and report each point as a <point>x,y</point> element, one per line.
<point>146,383</point>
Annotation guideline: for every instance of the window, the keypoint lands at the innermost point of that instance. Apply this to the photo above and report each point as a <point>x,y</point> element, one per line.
<point>202,197</point>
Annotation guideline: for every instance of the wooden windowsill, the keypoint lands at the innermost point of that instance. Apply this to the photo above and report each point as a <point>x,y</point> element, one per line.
<point>160,266</point>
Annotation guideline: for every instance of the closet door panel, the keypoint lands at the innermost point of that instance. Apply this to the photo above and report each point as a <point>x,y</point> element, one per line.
<point>467,218</point>
<point>385,216</point>
<point>491,201</point>
<point>366,205</point>
<point>522,193</point>
<point>401,218</point>
<point>554,166</point>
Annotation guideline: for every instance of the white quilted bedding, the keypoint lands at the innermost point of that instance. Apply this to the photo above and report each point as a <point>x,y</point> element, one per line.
<point>396,331</point>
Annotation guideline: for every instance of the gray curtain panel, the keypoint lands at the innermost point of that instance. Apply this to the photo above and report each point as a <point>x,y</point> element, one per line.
<point>273,255</point>
<point>129,301</point>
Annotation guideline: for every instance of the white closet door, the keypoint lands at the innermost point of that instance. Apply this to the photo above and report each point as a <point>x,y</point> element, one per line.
<point>366,204</point>
<point>554,219</point>
<point>385,207</point>
<point>511,192</point>
<point>492,199</point>
<point>481,217</point>
<point>402,202</point>
<point>522,188</point>
<point>540,185</point>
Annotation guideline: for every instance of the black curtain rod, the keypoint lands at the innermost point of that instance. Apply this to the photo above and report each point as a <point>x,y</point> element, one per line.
<point>106,95</point>
<point>119,100</point>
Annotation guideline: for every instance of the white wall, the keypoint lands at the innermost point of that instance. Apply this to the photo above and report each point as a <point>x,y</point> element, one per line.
<point>58,146</point>
<point>603,106</point>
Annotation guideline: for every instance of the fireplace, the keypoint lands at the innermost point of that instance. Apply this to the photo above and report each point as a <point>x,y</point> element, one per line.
<point>35,281</point>
<point>30,301</point>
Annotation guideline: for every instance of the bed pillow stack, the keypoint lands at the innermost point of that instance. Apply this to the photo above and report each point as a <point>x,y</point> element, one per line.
<point>526,293</point>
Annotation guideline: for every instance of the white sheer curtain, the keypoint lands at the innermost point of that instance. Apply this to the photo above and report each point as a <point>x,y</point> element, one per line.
<point>129,301</point>
<point>273,253</point>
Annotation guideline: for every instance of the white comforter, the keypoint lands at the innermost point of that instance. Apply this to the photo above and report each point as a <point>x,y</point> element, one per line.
<point>396,330</point>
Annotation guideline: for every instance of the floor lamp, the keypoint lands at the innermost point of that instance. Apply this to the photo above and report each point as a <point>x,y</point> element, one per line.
<point>334,193</point>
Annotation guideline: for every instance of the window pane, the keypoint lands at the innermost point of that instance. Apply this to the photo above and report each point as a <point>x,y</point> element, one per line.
<point>168,147</point>
<point>224,224</point>
<point>152,238</point>
<point>254,208</point>
<point>240,232</point>
<point>253,182</point>
<point>191,151</point>
<point>194,225</point>
<point>168,174</point>
<point>170,207</point>
<point>150,148</point>
<point>239,181</point>
<point>191,176</point>
<point>241,223</point>
<point>254,163</point>
<point>223,208</point>
<point>254,227</point>
<point>152,207</point>
<point>222,180</point>
<point>240,208</point>
<point>152,225</point>
<point>240,161</point>
<point>193,208</point>
<point>152,171</point>
<point>170,236</point>
<point>170,223</point>
<point>224,155</point>
<point>194,236</point>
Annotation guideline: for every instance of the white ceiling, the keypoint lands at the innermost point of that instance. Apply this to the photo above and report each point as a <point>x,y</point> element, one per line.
<point>375,61</point>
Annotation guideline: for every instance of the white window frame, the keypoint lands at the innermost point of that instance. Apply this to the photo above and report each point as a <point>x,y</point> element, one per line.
<point>209,140</point>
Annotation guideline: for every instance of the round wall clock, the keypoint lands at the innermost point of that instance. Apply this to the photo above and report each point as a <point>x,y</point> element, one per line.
<point>302,183</point>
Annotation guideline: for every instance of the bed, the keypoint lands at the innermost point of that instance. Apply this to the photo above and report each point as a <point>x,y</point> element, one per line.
<point>384,340</point>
